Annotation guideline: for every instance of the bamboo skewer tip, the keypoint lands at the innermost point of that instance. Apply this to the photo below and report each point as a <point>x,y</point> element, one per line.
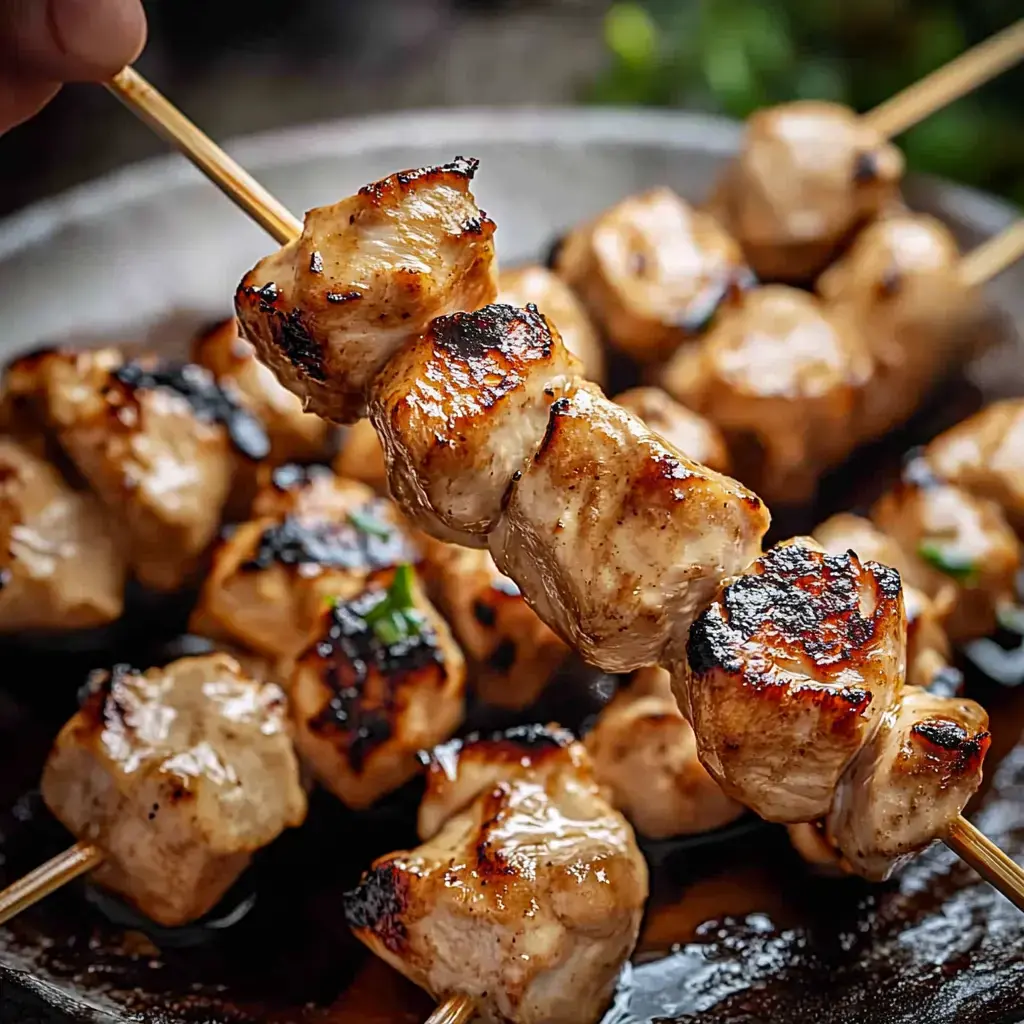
<point>457,1009</point>
<point>47,878</point>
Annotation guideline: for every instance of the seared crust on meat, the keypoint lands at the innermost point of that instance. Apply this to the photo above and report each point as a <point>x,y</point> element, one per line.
<point>788,673</point>
<point>461,410</point>
<point>327,310</point>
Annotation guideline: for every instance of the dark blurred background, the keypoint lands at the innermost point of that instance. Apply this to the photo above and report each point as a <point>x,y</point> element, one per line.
<point>243,67</point>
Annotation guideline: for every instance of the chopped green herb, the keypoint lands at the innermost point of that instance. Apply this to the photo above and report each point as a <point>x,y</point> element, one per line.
<point>947,559</point>
<point>331,601</point>
<point>366,522</point>
<point>396,617</point>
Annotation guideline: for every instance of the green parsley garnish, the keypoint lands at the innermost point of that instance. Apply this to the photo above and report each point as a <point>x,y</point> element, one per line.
<point>366,522</point>
<point>947,559</point>
<point>396,618</point>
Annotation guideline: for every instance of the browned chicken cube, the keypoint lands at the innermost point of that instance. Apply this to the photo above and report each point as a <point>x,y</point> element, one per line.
<point>534,284</point>
<point>156,442</point>
<point>985,456</point>
<point>328,310</point>
<point>514,654</point>
<point>782,377</point>
<point>178,775</point>
<point>381,680</point>
<point>696,437</point>
<point>652,271</point>
<point>60,563</point>
<point>644,751</point>
<point>808,174</point>
<point>314,537</point>
<point>528,900</point>
<point>788,674</point>
<point>462,410</point>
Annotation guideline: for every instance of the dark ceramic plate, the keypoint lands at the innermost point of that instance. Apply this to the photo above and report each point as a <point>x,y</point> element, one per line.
<point>737,930</point>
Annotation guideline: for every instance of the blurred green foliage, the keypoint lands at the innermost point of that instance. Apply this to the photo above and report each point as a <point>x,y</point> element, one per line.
<point>733,56</point>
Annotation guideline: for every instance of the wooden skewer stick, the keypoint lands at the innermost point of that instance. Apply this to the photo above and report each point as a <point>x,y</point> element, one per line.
<point>948,83</point>
<point>454,1010</point>
<point>47,878</point>
<point>987,859</point>
<point>993,256</point>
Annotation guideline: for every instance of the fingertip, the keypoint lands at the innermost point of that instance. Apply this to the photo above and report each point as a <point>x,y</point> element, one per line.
<point>99,37</point>
<point>20,99</point>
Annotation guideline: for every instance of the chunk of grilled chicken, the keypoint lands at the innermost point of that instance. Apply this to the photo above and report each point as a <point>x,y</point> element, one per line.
<point>808,174</point>
<point>696,437</point>
<point>361,457</point>
<point>616,538</point>
<point>781,375</point>
<point>368,695</point>
<point>645,752</point>
<point>985,456</point>
<point>652,271</point>
<point>314,536</point>
<point>900,282</point>
<point>295,435</point>
<point>461,411</point>
<point>515,655</point>
<point>528,901</point>
<point>327,311</point>
<point>909,782</point>
<point>788,673</point>
<point>178,775</point>
<point>928,647</point>
<point>958,549</point>
<point>153,440</point>
<point>535,284</point>
<point>60,567</point>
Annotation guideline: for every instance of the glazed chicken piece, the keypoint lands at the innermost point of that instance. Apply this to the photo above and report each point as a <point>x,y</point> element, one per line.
<point>958,549</point>
<point>900,282</point>
<point>557,301</point>
<point>462,411</point>
<point>528,900</point>
<point>652,271</point>
<point>179,775</point>
<point>788,674</point>
<point>313,537</point>
<point>381,680</point>
<point>515,655</point>
<point>156,442</point>
<point>362,458</point>
<point>60,565</point>
<point>909,782</point>
<point>644,751</point>
<point>696,437</point>
<point>328,310</point>
<point>984,455</point>
<point>808,174</point>
<point>781,375</point>
<point>616,538</point>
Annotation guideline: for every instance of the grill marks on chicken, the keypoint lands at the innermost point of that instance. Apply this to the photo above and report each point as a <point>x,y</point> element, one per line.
<point>329,309</point>
<point>179,775</point>
<point>528,899</point>
<point>788,673</point>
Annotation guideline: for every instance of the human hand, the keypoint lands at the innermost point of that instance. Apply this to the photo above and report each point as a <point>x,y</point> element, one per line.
<point>44,43</point>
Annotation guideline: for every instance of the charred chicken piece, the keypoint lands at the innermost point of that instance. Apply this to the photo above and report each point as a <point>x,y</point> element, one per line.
<point>461,412</point>
<point>788,674</point>
<point>314,537</point>
<point>808,174</point>
<point>696,437</point>
<point>781,375</point>
<point>909,782</point>
<point>515,655</point>
<point>958,549</point>
<point>381,680</point>
<point>328,310</point>
<point>60,566</point>
<point>156,442</point>
<point>616,538</point>
<point>652,271</point>
<point>528,900</point>
<point>644,751</point>
<point>985,456</point>
<point>178,775</point>
<point>536,285</point>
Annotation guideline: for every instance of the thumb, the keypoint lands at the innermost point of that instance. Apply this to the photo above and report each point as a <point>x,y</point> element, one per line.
<point>69,40</point>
